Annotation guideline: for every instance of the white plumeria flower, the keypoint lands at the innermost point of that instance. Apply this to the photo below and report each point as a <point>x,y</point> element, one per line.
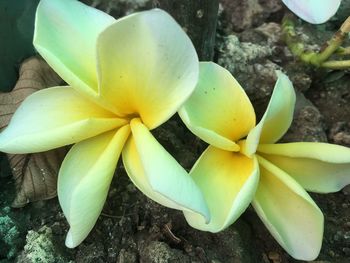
<point>313,11</point>
<point>244,164</point>
<point>125,77</point>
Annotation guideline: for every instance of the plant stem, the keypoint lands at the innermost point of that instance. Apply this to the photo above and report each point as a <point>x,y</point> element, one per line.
<point>335,42</point>
<point>343,51</point>
<point>318,59</point>
<point>336,64</point>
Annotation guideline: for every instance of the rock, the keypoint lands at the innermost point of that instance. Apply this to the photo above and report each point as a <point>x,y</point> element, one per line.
<point>234,244</point>
<point>9,235</point>
<point>40,248</point>
<point>126,256</point>
<point>159,252</point>
<point>340,133</point>
<point>250,65</point>
<point>307,125</point>
<point>346,191</point>
<point>90,253</point>
<point>246,14</point>
<point>332,99</point>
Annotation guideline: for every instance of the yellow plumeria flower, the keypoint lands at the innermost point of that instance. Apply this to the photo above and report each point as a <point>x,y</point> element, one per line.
<point>125,77</point>
<point>220,113</point>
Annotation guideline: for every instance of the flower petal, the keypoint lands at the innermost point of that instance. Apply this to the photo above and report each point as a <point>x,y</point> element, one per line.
<point>277,118</point>
<point>313,11</point>
<point>318,167</point>
<point>65,35</point>
<point>147,66</point>
<point>219,105</point>
<point>228,181</point>
<point>84,180</point>
<point>288,212</point>
<point>54,117</point>
<point>157,174</point>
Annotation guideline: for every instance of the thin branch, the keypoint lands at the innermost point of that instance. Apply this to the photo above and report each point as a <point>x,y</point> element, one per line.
<point>318,59</point>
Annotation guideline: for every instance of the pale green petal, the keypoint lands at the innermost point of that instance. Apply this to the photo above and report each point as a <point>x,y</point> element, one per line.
<point>54,117</point>
<point>313,11</point>
<point>65,35</point>
<point>288,212</point>
<point>147,66</point>
<point>318,167</point>
<point>84,180</point>
<point>277,118</point>
<point>220,105</point>
<point>228,181</point>
<point>158,175</point>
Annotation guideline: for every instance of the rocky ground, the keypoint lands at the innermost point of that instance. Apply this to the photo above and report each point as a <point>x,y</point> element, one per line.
<point>133,228</point>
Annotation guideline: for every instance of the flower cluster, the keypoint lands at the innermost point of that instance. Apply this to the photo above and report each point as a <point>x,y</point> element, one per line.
<point>126,77</point>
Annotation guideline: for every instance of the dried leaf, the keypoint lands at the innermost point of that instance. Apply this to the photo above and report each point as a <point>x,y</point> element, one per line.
<point>35,174</point>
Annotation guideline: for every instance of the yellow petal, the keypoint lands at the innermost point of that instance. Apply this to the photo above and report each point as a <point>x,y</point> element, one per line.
<point>288,212</point>
<point>228,181</point>
<point>84,180</point>
<point>65,35</point>
<point>318,167</point>
<point>158,175</point>
<point>220,105</point>
<point>54,117</point>
<point>147,66</point>
<point>277,118</point>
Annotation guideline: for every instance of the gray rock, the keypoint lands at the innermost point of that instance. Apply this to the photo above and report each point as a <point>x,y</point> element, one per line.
<point>159,252</point>
<point>9,235</point>
<point>246,14</point>
<point>250,65</point>
<point>126,256</point>
<point>307,125</point>
<point>40,247</point>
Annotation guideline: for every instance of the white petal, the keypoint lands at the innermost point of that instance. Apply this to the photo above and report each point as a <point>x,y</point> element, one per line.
<point>318,167</point>
<point>277,118</point>
<point>158,175</point>
<point>84,180</point>
<point>218,111</point>
<point>313,11</point>
<point>147,66</point>
<point>52,118</point>
<point>228,181</point>
<point>288,212</point>
<point>65,35</point>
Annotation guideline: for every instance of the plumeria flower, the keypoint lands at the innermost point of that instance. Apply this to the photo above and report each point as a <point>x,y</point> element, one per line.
<point>313,11</point>
<point>243,164</point>
<point>125,77</point>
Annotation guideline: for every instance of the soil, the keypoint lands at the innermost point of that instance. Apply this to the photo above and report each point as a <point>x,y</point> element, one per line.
<point>133,228</point>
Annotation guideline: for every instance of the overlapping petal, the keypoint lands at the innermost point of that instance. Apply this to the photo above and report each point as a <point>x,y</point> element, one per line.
<point>218,111</point>
<point>55,117</point>
<point>158,175</point>
<point>288,212</point>
<point>277,118</point>
<point>318,167</point>
<point>147,66</point>
<point>313,11</point>
<point>84,180</point>
<point>65,35</point>
<point>228,181</point>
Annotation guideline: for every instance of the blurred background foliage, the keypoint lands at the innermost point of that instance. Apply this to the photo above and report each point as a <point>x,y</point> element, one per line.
<point>16,34</point>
